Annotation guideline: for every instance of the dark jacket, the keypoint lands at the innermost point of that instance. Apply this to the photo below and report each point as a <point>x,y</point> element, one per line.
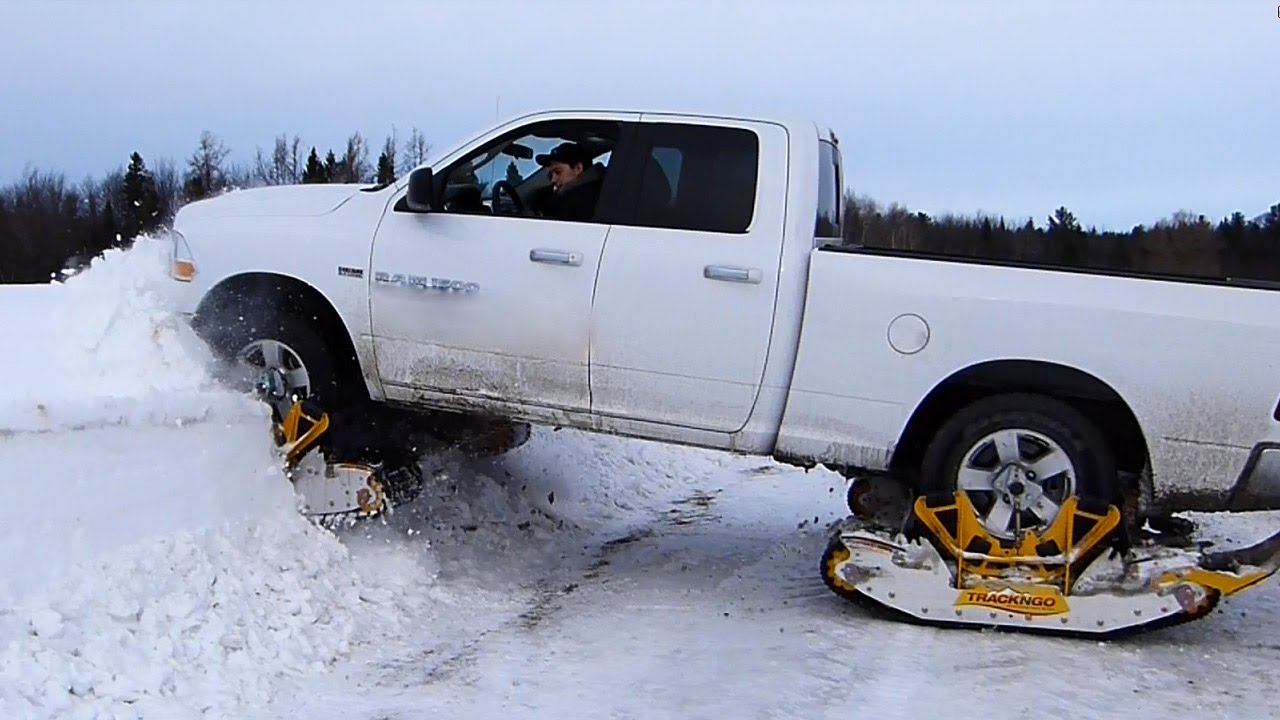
<point>577,200</point>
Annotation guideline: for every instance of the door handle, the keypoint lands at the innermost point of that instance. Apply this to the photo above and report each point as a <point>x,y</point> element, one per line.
<point>556,257</point>
<point>730,273</point>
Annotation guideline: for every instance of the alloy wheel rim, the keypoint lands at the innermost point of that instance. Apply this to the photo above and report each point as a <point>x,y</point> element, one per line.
<point>1017,480</point>
<point>276,372</point>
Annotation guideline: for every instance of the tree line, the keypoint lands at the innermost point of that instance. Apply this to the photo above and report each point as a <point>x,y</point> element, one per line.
<point>1184,243</point>
<point>50,226</point>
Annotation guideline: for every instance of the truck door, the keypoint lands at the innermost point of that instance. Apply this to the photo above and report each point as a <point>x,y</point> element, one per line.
<point>485,299</point>
<point>684,304</point>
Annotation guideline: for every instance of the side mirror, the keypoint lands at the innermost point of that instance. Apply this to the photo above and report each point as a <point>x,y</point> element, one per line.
<point>421,195</point>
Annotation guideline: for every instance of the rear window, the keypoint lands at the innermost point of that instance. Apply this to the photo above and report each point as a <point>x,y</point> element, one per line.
<point>829,191</point>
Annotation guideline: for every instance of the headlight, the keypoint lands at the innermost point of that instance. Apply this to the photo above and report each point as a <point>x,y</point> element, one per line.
<point>182,266</point>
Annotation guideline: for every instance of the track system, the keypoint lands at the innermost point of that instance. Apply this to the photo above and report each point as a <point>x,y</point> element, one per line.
<point>332,492</point>
<point>1078,577</point>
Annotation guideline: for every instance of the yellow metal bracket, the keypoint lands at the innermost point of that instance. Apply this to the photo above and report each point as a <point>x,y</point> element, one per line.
<point>1049,557</point>
<point>296,441</point>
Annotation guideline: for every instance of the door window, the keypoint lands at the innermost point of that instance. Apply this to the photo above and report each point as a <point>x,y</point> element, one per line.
<point>554,170</point>
<point>699,177</point>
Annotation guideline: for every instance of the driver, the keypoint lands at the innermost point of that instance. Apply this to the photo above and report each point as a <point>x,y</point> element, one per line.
<point>575,183</point>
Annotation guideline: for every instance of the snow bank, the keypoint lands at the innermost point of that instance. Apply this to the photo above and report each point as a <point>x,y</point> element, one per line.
<point>151,566</point>
<point>104,348</point>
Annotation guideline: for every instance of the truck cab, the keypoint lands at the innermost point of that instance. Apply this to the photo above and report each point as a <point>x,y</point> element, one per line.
<point>466,285</point>
<point>479,293</point>
<point>461,286</point>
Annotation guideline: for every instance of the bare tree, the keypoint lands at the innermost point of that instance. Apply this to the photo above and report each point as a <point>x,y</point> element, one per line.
<point>111,187</point>
<point>91,191</point>
<point>284,168</point>
<point>205,174</point>
<point>354,166</point>
<point>168,185</point>
<point>238,176</point>
<point>416,148</point>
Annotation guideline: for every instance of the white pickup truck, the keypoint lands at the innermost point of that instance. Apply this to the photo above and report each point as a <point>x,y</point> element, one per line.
<point>690,286</point>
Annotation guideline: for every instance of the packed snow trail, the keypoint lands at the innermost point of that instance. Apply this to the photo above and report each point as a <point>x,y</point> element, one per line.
<point>702,600</point>
<point>154,566</point>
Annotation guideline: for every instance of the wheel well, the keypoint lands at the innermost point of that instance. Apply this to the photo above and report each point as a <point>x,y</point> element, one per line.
<point>1098,401</point>
<point>258,295</point>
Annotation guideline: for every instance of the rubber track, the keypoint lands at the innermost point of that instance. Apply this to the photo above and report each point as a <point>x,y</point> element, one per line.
<point>889,612</point>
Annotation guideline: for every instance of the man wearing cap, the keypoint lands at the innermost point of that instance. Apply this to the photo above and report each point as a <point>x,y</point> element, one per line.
<point>575,183</point>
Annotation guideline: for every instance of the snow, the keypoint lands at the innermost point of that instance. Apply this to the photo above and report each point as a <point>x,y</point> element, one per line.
<point>105,348</point>
<point>153,561</point>
<point>153,565</point>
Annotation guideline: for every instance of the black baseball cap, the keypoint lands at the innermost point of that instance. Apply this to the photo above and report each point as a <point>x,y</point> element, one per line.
<point>567,153</point>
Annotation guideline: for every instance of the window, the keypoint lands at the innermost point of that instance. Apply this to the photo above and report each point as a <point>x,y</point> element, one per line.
<point>828,223</point>
<point>507,176</point>
<point>699,178</point>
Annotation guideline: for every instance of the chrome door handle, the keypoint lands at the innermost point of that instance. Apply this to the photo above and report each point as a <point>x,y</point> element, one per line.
<point>557,257</point>
<point>729,273</point>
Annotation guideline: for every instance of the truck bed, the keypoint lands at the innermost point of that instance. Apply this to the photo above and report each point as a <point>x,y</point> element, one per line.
<point>1196,359</point>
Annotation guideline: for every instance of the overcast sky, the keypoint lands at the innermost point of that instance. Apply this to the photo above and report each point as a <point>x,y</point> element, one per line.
<point>1123,110</point>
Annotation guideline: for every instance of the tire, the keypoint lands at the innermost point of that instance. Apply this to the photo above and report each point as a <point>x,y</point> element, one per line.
<point>241,339</point>
<point>1089,471</point>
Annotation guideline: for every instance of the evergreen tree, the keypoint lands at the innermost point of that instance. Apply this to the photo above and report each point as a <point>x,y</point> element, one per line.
<point>986,239</point>
<point>314,172</point>
<point>1063,219</point>
<point>1271,221</point>
<point>389,152</point>
<point>331,167</point>
<point>142,211</point>
<point>1066,237</point>
<point>1233,243</point>
<point>386,169</point>
<point>513,173</point>
<point>1233,230</point>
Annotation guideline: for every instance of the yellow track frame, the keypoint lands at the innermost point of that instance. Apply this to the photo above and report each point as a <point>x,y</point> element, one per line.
<point>1047,558</point>
<point>296,441</point>
<point>1026,582</point>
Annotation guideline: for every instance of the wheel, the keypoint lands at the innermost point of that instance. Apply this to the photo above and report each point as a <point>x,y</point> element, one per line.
<point>1018,457</point>
<point>880,500</point>
<point>281,357</point>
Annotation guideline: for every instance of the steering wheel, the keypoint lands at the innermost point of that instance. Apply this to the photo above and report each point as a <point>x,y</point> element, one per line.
<point>503,185</point>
